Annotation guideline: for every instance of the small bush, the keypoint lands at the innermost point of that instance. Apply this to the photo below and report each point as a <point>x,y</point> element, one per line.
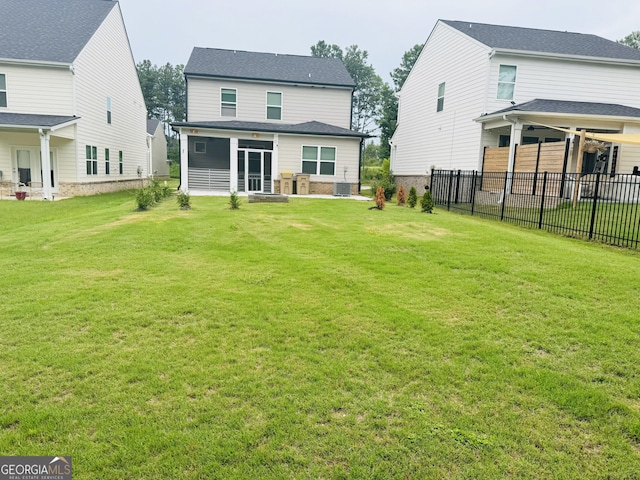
<point>144,198</point>
<point>413,197</point>
<point>184,200</point>
<point>234,201</point>
<point>380,197</point>
<point>427,202</point>
<point>402,196</point>
<point>386,181</point>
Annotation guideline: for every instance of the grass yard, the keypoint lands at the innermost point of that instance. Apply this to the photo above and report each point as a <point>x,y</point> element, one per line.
<point>315,339</point>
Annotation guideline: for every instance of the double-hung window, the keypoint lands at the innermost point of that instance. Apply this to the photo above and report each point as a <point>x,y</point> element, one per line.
<point>107,167</point>
<point>506,82</point>
<point>318,160</point>
<point>92,160</point>
<point>120,162</point>
<point>274,105</point>
<point>3,90</point>
<point>440,105</point>
<point>228,102</point>
<point>109,110</point>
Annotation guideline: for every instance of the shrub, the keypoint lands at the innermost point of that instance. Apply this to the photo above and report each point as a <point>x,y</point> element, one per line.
<point>413,197</point>
<point>380,197</point>
<point>386,180</point>
<point>402,196</point>
<point>234,201</point>
<point>427,202</point>
<point>184,200</point>
<point>144,198</point>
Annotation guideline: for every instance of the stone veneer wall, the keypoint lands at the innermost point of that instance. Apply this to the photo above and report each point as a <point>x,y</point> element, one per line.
<point>318,188</point>
<point>93,188</point>
<point>408,181</point>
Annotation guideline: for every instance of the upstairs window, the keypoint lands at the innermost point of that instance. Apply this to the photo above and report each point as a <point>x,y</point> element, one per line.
<point>274,105</point>
<point>92,160</point>
<point>109,110</point>
<point>440,105</point>
<point>3,90</point>
<point>228,102</point>
<point>506,82</point>
<point>319,160</point>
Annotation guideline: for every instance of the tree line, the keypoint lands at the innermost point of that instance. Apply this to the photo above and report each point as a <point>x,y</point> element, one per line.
<point>375,104</point>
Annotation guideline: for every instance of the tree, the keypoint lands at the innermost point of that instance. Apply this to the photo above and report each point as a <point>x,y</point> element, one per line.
<point>388,118</point>
<point>366,94</point>
<point>400,74</point>
<point>631,40</point>
<point>371,154</point>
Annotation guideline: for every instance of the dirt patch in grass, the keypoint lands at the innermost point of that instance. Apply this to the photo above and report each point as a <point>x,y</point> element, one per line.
<point>415,231</point>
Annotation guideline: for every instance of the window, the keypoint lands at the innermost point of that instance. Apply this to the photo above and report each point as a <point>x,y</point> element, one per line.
<point>200,147</point>
<point>3,90</point>
<point>120,162</point>
<point>506,82</point>
<point>319,160</point>
<point>92,160</point>
<point>109,110</point>
<point>274,105</point>
<point>107,168</point>
<point>228,102</point>
<point>440,106</point>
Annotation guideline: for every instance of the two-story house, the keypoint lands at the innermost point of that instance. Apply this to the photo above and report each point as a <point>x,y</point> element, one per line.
<point>252,116</point>
<point>477,86</point>
<point>72,114</point>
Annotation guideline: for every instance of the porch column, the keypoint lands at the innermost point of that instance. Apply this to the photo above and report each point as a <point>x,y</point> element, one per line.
<point>233,164</point>
<point>516,136</point>
<point>45,154</point>
<point>184,161</point>
<point>275,170</point>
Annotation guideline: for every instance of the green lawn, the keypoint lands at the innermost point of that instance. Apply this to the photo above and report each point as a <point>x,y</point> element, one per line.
<point>314,339</point>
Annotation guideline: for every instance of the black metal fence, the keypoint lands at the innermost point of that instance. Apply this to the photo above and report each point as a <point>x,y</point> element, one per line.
<point>597,206</point>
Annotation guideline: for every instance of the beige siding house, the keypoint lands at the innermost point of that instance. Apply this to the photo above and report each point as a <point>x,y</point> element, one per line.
<point>478,86</point>
<point>70,100</point>
<point>253,117</point>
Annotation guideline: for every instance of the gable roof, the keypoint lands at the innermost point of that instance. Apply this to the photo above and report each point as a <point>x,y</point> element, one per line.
<point>152,125</point>
<point>542,106</point>
<point>501,37</point>
<point>306,128</point>
<point>49,30</point>
<point>241,65</point>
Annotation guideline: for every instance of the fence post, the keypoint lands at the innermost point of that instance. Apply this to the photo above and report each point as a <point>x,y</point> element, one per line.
<point>450,188</point>
<point>595,205</point>
<point>457,199</point>
<point>504,195</point>
<point>473,191</point>
<point>544,191</point>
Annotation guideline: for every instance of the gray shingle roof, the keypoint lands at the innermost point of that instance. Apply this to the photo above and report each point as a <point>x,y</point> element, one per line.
<point>239,64</point>
<point>152,125</point>
<point>575,108</point>
<point>307,128</point>
<point>33,121</point>
<point>49,30</point>
<point>547,41</point>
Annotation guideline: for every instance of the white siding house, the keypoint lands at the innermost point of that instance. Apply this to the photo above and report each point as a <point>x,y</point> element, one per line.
<point>251,116</point>
<point>158,165</point>
<point>477,85</point>
<point>72,102</point>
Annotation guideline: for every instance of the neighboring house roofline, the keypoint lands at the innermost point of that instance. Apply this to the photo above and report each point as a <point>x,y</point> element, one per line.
<point>305,128</point>
<point>268,80</point>
<point>565,109</point>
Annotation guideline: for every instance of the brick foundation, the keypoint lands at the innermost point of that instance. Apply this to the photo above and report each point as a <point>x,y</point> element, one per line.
<point>408,181</point>
<point>93,188</point>
<point>318,188</point>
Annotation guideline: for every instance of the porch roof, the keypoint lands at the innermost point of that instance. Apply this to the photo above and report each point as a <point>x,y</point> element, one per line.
<point>34,122</point>
<point>306,128</point>
<point>540,107</point>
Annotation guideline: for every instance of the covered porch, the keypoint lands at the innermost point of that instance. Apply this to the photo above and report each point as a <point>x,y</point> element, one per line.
<point>30,147</point>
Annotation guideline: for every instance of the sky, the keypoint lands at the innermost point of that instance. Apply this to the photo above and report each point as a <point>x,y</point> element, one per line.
<point>165,31</point>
